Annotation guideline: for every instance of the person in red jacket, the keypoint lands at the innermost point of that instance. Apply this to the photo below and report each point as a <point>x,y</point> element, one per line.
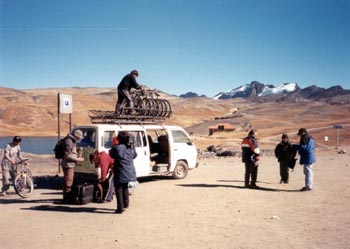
<point>103,166</point>
<point>250,157</point>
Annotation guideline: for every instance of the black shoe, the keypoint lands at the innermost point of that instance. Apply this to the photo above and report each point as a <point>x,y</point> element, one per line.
<point>305,189</point>
<point>119,211</point>
<point>253,186</point>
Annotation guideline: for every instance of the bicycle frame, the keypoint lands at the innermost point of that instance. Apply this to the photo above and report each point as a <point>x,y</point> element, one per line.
<point>23,181</point>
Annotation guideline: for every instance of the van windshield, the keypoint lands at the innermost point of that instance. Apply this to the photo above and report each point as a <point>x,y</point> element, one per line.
<point>180,137</point>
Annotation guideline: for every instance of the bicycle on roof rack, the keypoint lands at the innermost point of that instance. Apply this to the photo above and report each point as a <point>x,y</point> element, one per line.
<point>147,108</point>
<point>146,104</point>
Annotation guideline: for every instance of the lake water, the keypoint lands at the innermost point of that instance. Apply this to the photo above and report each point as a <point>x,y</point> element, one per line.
<point>35,145</point>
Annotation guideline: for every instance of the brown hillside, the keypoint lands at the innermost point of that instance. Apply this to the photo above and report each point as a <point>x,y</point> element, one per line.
<point>34,113</point>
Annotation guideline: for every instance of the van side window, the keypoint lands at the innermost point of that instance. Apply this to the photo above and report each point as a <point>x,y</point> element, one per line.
<point>180,137</point>
<point>107,139</point>
<point>139,138</point>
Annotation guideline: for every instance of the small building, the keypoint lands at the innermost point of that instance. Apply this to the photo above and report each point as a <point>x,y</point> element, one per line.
<point>221,127</point>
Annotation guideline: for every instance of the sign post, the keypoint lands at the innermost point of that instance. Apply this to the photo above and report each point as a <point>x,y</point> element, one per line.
<point>64,105</point>
<point>337,127</point>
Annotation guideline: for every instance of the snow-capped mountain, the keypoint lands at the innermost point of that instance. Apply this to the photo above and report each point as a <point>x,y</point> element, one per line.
<point>256,88</point>
<point>284,88</point>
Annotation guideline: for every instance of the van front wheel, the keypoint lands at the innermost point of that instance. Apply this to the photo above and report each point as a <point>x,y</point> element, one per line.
<point>181,170</point>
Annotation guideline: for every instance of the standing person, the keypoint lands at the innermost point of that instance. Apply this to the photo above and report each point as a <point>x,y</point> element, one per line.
<point>306,149</point>
<point>124,87</point>
<point>250,157</point>
<point>123,154</point>
<point>12,151</point>
<point>104,166</point>
<point>285,153</point>
<point>69,161</point>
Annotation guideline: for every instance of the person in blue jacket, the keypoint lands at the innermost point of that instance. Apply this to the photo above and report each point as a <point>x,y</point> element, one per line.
<point>306,149</point>
<point>123,154</point>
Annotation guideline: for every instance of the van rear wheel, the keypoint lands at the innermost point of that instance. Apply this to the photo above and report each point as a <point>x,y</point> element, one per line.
<point>181,170</point>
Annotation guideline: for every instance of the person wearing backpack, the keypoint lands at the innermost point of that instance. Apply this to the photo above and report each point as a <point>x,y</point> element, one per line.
<point>250,157</point>
<point>69,161</point>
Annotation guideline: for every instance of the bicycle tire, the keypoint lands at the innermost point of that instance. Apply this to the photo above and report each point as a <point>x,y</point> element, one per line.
<point>145,107</point>
<point>152,108</point>
<point>161,108</point>
<point>167,112</point>
<point>24,185</point>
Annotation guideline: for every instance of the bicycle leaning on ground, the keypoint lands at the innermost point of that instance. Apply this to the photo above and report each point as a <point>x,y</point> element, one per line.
<point>23,180</point>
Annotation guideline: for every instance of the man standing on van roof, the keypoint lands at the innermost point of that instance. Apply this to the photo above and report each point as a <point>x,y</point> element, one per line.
<point>124,87</point>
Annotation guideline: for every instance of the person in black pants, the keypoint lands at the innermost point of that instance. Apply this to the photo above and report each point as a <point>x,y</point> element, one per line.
<point>124,169</point>
<point>250,157</point>
<point>285,153</point>
<point>124,87</point>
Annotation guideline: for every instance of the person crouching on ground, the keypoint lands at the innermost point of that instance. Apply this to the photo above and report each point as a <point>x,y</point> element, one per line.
<point>250,157</point>
<point>104,172</point>
<point>124,169</point>
<point>306,149</point>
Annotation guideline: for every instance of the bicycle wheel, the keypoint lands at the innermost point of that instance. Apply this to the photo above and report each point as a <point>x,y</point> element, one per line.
<point>167,112</point>
<point>144,107</point>
<point>24,185</point>
<point>160,106</point>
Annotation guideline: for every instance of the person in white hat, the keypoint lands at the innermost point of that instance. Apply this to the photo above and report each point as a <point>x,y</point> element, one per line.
<point>69,161</point>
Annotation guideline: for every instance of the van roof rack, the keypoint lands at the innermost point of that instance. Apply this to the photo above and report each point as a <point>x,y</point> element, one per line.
<point>110,117</point>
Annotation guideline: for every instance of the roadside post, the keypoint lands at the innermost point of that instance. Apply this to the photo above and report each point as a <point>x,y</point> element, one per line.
<point>337,127</point>
<point>64,105</point>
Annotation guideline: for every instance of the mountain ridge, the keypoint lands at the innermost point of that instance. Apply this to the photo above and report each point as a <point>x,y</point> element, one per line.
<point>256,89</point>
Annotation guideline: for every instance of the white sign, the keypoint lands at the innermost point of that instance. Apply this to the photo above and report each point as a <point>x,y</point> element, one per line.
<point>66,103</point>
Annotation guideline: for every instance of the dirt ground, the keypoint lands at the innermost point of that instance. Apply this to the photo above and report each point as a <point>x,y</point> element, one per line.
<point>208,209</point>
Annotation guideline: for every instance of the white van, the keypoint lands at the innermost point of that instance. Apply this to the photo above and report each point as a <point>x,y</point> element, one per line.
<point>161,149</point>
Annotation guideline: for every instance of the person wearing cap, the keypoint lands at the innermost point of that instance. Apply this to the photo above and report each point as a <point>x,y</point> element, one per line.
<point>306,149</point>
<point>285,153</point>
<point>126,84</point>
<point>250,157</point>
<point>12,151</point>
<point>69,161</point>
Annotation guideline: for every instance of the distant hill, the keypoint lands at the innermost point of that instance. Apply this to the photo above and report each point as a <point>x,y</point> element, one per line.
<point>191,95</point>
<point>287,91</point>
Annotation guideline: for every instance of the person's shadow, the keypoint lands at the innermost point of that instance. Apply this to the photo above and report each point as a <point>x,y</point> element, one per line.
<point>205,185</point>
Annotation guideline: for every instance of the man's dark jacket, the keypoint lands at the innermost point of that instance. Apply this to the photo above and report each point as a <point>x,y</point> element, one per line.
<point>128,82</point>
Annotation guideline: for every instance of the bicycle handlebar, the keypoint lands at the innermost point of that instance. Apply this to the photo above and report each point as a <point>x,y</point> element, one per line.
<point>22,161</point>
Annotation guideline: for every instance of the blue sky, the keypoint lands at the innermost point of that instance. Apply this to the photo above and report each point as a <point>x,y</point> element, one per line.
<point>203,46</point>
